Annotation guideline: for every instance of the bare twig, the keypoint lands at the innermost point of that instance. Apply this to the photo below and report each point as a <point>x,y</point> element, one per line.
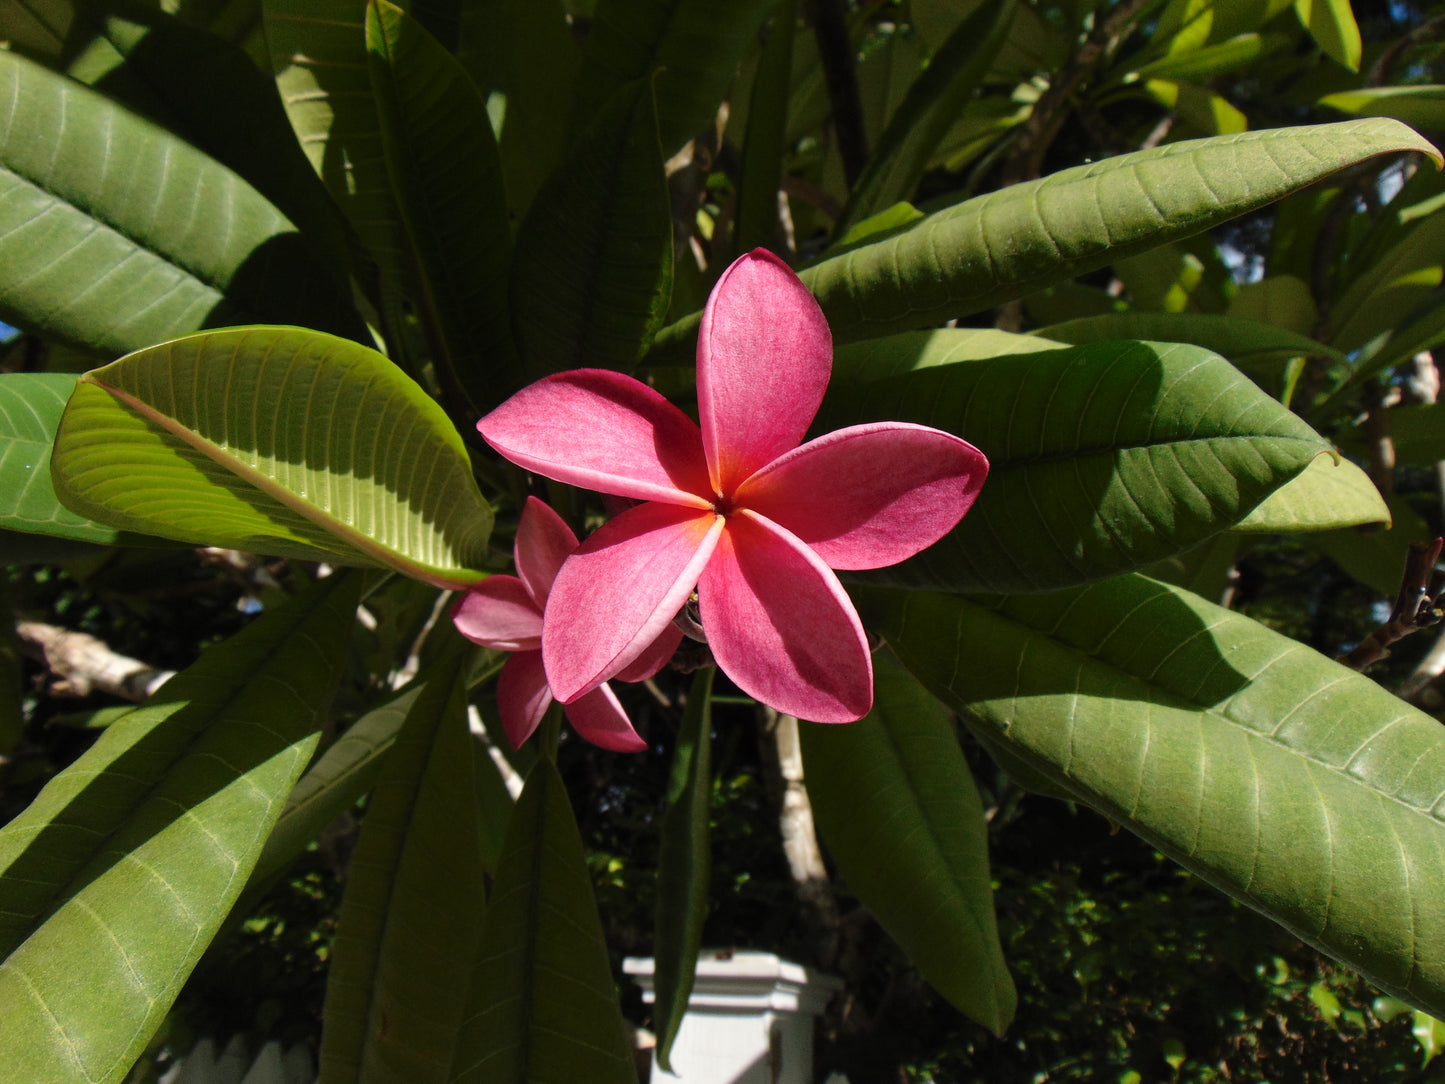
<point>1415,607</point>
<point>81,664</point>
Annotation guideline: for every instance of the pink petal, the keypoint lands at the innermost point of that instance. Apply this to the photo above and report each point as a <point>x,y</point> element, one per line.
<point>500,614</point>
<point>764,355</point>
<point>544,541</point>
<point>598,717</point>
<point>522,696</point>
<point>871,495</point>
<point>781,626</point>
<point>602,431</point>
<point>654,658</point>
<point>620,590</point>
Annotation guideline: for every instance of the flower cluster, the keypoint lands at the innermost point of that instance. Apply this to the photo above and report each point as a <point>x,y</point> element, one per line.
<point>733,508</point>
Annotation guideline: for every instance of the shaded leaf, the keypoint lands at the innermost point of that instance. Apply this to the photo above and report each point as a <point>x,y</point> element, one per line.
<point>765,139</point>
<point>447,176</point>
<point>936,97</point>
<point>896,806</point>
<point>1103,458</point>
<point>1240,339</point>
<point>411,917</point>
<point>118,875</point>
<point>684,866</point>
<point>593,271</point>
<point>543,1007</point>
<point>275,440</point>
<point>1296,785</point>
<point>690,47</point>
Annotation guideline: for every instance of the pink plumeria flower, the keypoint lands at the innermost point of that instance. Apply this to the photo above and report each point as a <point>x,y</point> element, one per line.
<point>734,508</point>
<point>505,614</point>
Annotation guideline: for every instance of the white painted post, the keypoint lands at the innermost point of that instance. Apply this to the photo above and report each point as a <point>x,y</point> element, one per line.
<point>749,1019</point>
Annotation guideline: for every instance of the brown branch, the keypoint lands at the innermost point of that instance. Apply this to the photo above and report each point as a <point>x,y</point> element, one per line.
<point>81,664</point>
<point>1415,607</point>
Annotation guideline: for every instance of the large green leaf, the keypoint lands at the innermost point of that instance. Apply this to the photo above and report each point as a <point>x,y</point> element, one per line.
<point>689,50</point>
<point>544,1007</point>
<point>684,865</point>
<point>1008,243</point>
<point>118,875</point>
<point>523,52</point>
<point>275,440</point>
<point>447,174</point>
<point>318,53</point>
<point>115,234</point>
<point>30,409</point>
<point>593,270</point>
<point>1328,494</point>
<point>896,805</point>
<point>210,92</point>
<point>411,919</point>
<point>1103,458</point>
<point>1240,340</point>
<point>1332,24</point>
<point>1296,785</point>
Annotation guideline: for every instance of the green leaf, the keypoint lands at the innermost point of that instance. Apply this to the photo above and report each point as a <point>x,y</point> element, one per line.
<point>114,251</point>
<point>319,56</point>
<point>544,1007</point>
<point>1332,24</point>
<point>1019,239</point>
<point>1374,557</point>
<point>30,409</point>
<point>593,270</point>
<point>447,175</point>
<point>1294,784</point>
<point>210,92</point>
<point>1329,494</point>
<point>118,875</point>
<point>349,768</point>
<point>896,806</point>
<point>1282,301</point>
<point>691,49</point>
<point>683,866</point>
<point>275,440</point>
<point>1417,106</point>
<point>411,919</point>
<point>928,110</point>
<point>1417,432</point>
<point>1104,458</point>
<point>1383,295</point>
<point>894,355</point>
<point>523,51</point>
<point>1221,58</point>
<point>765,140</point>
<point>1237,338</point>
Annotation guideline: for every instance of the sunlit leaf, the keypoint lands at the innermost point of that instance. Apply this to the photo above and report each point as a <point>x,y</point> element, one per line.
<point>118,875</point>
<point>30,409</point>
<point>275,440</point>
<point>1298,786</point>
<point>114,252</point>
<point>1103,458</point>
<point>1327,495</point>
